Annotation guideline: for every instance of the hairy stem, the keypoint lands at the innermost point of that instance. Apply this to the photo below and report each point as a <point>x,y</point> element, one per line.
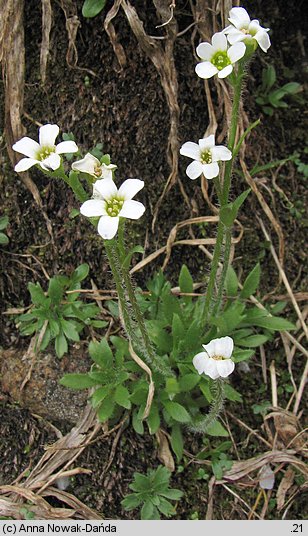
<point>149,353</point>
<point>223,195</point>
<point>202,425</point>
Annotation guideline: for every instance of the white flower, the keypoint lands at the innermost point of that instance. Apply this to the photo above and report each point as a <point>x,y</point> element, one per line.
<point>217,58</point>
<point>112,204</point>
<point>216,361</point>
<point>91,165</point>
<point>205,156</point>
<point>244,29</point>
<point>45,153</point>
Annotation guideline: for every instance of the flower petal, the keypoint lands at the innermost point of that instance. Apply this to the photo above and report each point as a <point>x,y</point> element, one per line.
<point>210,170</point>
<point>205,51</point>
<point>93,208</point>
<point>219,152</point>
<point>66,147</point>
<point>207,143</point>
<point>53,161</point>
<point>106,188</point>
<point>224,346</point>
<point>225,367</point>
<point>27,146</point>
<point>263,40</point>
<point>210,348</point>
<point>239,17</point>
<point>194,170</point>
<point>132,209</point>
<point>206,69</point>
<point>48,134</point>
<point>191,149</point>
<point>130,188</point>
<point>236,52</point>
<point>108,226</point>
<point>210,369</point>
<point>25,163</point>
<point>235,36</point>
<point>219,42</point>
<point>86,164</point>
<point>199,361</point>
<point>225,72</point>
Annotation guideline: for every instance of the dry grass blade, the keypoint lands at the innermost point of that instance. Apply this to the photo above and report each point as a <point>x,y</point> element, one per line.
<point>144,367</point>
<point>163,60</point>
<point>109,28</point>
<point>82,511</point>
<point>40,507</point>
<point>46,27</point>
<point>284,486</point>
<point>244,468</point>
<point>164,453</point>
<point>266,209</point>
<point>284,279</point>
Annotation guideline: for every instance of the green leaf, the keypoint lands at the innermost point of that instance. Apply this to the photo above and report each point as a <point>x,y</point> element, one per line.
<point>101,353</point>
<point>37,295</point>
<point>4,221</point>
<point>3,239</point>
<point>226,215</point>
<point>131,501</point>
<point>165,507</point>
<point>77,381</point>
<point>238,202</point>
<point>91,8</point>
<point>55,290</point>
<point>241,355</point>
<point>54,327</point>
<point>61,345</point>
<point>69,330</point>
<point>173,494</point>
<point>251,282</point>
<point>100,394</point>
<point>231,282</point>
<point>205,390</point>
<point>177,412</point>
<point>128,258</point>
<point>185,280</point>
<point>147,510</point>
<point>137,423</point>
<point>153,419</point>
<point>172,386</point>
<point>176,442</point>
<point>232,394</point>
<point>80,273</point>
<point>106,409</point>
<point>177,330</point>
<point>217,430</point>
<point>274,323</point>
<point>121,397</point>
<point>291,88</point>
<point>188,382</point>
<point>253,341</point>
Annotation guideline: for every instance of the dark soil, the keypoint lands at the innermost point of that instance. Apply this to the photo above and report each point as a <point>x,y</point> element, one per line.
<point>126,111</point>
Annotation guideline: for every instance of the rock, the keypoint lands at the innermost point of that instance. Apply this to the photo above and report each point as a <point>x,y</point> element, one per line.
<point>42,394</point>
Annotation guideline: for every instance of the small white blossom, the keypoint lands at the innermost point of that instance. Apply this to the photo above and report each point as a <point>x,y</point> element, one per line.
<point>112,204</point>
<point>244,29</point>
<point>217,58</point>
<point>45,153</point>
<point>216,361</point>
<point>266,477</point>
<point>91,165</point>
<point>205,157</point>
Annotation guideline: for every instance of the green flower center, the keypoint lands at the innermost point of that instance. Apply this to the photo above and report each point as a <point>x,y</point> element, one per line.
<point>113,206</point>
<point>44,152</point>
<point>220,60</point>
<point>206,157</point>
<point>218,357</point>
